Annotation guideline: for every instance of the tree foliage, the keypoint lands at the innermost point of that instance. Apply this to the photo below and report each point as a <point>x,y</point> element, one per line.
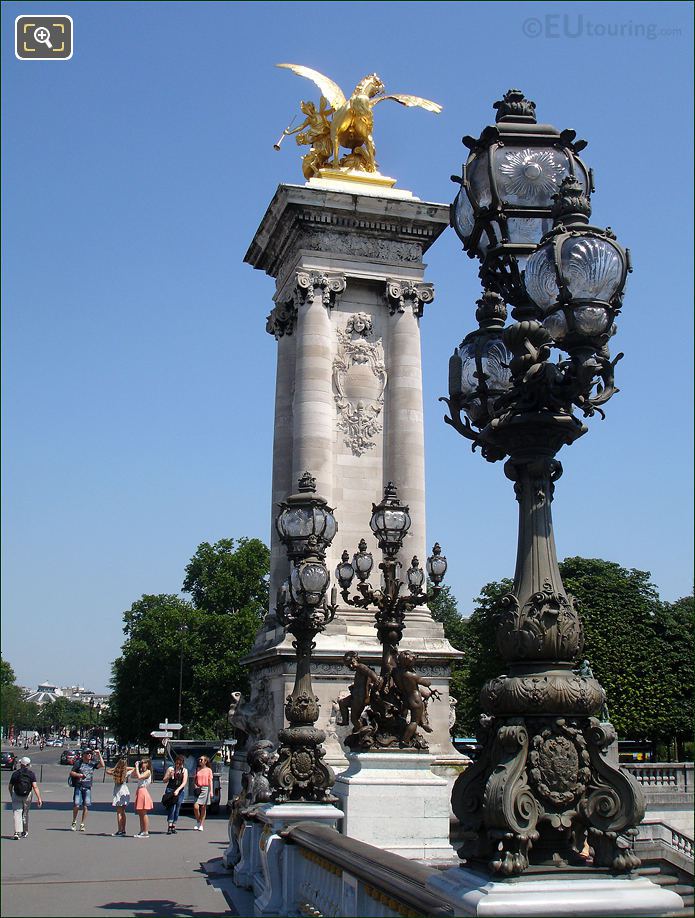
<point>227,577</point>
<point>203,640</point>
<point>640,648</point>
<point>15,710</point>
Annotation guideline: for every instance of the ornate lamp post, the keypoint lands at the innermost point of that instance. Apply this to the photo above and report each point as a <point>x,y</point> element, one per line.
<point>379,704</point>
<point>306,526</point>
<point>541,786</point>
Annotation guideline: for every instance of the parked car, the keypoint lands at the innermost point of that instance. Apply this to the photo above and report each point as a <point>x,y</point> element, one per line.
<point>68,756</point>
<point>8,760</point>
<point>159,766</point>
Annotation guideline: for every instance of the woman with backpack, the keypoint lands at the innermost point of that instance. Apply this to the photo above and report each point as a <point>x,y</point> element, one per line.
<point>22,783</point>
<point>176,779</point>
<point>202,791</point>
<point>121,792</point>
<point>143,801</point>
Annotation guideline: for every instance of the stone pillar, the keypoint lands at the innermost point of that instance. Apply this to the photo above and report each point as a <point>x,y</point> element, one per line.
<point>347,259</point>
<point>282,447</point>
<point>313,404</point>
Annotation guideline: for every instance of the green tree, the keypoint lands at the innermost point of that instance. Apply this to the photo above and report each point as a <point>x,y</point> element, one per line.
<point>475,636</point>
<point>209,637</point>
<point>639,648</point>
<point>7,676</point>
<point>619,610</point>
<point>227,576</point>
<point>15,710</point>
<point>674,627</point>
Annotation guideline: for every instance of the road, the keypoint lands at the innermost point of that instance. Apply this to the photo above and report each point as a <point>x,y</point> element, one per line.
<point>56,872</point>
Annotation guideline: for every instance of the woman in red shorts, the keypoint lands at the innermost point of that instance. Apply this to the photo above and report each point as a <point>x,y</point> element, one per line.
<point>143,802</point>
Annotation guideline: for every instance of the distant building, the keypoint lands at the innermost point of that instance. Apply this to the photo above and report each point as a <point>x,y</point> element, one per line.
<point>49,691</point>
<point>45,692</point>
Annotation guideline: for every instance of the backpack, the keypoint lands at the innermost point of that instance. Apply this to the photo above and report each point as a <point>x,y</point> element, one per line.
<point>22,783</point>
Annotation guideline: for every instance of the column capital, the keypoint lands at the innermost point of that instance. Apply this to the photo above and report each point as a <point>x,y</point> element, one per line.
<point>402,294</point>
<point>307,286</point>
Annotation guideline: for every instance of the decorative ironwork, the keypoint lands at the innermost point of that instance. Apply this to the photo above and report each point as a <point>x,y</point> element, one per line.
<point>387,710</point>
<point>307,526</point>
<point>541,787</point>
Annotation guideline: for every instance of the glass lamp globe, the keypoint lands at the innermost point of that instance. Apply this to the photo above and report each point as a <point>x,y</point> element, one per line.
<point>390,521</point>
<point>306,516</point>
<point>344,572</point>
<point>577,275</point>
<point>308,582</point>
<point>436,565</point>
<point>415,575</point>
<point>479,368</point>
<point>362,561</point>
<point>503,207</point>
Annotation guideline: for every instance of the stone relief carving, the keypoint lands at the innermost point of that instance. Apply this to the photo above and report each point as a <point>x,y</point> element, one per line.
<point>308,285</point>
<point>364,247</point>
<point>403,294</point>
<point>358,417</point>
<point>452,712</point>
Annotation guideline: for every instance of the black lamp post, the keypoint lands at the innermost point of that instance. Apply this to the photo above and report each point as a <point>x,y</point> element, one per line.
<point>541,786</point>
<point>380,705</point>
<point>306,526</point>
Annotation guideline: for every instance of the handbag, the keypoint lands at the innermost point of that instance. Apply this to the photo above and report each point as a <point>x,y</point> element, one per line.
<point>197,791</point>
<point>168,798</point>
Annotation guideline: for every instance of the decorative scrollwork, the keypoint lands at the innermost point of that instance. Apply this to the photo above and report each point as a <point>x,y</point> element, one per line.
<point>329,285</point>
<point>401,294</point>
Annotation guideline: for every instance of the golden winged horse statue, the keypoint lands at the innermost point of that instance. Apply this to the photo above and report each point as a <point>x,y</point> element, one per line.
<point>351,123</point>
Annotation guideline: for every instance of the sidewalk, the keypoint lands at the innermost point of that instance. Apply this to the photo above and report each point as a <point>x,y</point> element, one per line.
<point>56,872</point>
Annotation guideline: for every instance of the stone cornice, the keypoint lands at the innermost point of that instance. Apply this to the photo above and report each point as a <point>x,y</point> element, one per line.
<point>298,212</point>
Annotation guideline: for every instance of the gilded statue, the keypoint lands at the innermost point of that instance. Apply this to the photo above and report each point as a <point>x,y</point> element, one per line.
<point>341,122</point>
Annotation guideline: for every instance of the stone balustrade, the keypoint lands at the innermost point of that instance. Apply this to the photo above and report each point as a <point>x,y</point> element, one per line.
<point>667,776</point>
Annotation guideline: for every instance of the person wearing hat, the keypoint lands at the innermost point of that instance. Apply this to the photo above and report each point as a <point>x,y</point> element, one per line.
<point>22,784</point>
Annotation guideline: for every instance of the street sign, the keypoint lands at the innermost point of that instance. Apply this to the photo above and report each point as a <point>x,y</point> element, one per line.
<point>167,726</point>
<point>161,734</point>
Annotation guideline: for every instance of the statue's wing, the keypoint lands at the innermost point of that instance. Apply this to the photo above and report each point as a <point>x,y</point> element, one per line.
<point>328,88</point>
<point>410,101</point>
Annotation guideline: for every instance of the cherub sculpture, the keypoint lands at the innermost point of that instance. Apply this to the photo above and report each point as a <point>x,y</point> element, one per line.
<point>416,691</point>
<point>352,705</point>
<point>353,119</point>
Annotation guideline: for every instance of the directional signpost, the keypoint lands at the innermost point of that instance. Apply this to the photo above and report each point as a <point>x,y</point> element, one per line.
<point>165,730</point>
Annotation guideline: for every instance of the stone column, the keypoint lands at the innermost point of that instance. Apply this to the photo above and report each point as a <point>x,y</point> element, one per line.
<point>281,323</point>
<point>314,406</point>
<point>404,454</point>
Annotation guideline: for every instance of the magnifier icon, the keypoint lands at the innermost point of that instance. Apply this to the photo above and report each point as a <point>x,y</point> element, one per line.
<point>43,36</point>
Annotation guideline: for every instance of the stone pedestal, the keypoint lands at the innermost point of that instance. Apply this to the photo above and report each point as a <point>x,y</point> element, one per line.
<point>272,885</point>
<point>347,258</point>
<point>394,801</point>
<point>590,892</point>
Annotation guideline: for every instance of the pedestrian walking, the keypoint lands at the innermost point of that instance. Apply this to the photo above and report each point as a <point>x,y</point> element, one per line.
<point>121,792</point>
<point>82,775</point>
<point>143,801</point>
<point>22,786</point>
<point>203,791</point>
<point>176,778</point>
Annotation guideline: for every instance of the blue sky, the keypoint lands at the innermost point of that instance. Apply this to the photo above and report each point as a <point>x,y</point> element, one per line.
<point>138,378</point>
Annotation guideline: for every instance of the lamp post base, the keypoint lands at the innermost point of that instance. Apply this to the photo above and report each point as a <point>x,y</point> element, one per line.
<point>536,894</point>
<point>394,801</point>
